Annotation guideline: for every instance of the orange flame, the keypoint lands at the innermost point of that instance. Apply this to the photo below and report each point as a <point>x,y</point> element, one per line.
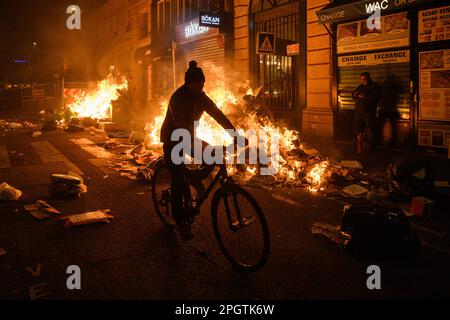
<point>97,104</point>
<point>223,94</point>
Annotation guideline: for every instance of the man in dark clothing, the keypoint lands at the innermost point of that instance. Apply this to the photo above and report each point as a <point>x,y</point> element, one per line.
<point>186,105</point>
<point>366,96</point>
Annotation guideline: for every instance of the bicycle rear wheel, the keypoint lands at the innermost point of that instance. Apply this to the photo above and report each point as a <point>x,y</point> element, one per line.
<point>161,195</point>
<point>240,228</point>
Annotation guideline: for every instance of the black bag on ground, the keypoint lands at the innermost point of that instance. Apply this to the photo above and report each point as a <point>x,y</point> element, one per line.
<point>411,176</point>
<point>378,231</point>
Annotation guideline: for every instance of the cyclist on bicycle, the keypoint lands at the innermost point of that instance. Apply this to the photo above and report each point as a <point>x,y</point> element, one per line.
<point>186,105</point>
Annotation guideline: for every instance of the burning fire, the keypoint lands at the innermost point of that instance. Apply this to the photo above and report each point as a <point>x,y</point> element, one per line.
<point>223,94</point>
<point>314,176</point>
<point>97,104</point>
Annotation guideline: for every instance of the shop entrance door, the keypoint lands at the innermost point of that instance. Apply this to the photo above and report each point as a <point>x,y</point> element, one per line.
<point>277,73</point>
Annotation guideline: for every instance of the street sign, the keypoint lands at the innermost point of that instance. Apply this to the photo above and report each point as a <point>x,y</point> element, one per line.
<point>293,49</point>
<point>266,43</point>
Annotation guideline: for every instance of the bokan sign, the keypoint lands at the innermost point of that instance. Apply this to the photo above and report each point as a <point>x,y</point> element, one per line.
<point>210,20</point>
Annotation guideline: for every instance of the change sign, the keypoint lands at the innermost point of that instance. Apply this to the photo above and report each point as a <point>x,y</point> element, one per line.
<point>266,43</point>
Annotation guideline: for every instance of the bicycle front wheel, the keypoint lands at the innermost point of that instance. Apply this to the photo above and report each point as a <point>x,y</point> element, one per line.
<point>240,228</point>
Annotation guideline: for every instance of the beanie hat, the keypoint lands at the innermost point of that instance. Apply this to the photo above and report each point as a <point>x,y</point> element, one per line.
<point>193,73</point>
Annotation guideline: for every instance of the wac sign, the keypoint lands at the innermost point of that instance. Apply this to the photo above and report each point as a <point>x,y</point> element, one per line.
<point>209,20</point>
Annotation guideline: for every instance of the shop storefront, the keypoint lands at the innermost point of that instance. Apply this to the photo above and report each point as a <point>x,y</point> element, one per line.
<point>204,44</point>
<point>394,48</point>
<point>281,73</point>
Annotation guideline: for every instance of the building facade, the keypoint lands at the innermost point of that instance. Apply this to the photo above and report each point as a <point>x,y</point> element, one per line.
<point>405,46</point>
<point>305,55</point>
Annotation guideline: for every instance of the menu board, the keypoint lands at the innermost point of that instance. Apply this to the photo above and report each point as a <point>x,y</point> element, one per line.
<point>434,24</point>
<point>356,36</point>
<point>434,85</point>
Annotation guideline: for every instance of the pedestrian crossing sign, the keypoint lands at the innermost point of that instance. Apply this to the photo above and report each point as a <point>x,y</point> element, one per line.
<point>266,43</point>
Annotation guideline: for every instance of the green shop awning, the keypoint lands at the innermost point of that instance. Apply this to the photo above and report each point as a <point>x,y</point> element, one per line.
<point>338,12</point>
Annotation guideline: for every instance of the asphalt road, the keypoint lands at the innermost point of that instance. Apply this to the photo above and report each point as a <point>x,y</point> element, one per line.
<point>135,257</point>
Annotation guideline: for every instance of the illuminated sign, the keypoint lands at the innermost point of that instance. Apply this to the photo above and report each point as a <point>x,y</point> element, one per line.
<point>293,49</point>
<point>377,6</point>
<point>209,20</point>
<point>194,29</point>
<point>361,9</point>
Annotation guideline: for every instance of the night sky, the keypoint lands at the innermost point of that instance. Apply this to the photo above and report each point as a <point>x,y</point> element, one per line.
<point>23,22</point>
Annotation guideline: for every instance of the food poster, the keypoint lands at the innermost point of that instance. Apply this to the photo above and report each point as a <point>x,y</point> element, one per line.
<point>357,36</point>
<point>434,25</point>
<point>434,85</point>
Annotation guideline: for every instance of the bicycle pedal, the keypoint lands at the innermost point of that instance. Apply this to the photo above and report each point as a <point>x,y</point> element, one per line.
<point>245,221</point>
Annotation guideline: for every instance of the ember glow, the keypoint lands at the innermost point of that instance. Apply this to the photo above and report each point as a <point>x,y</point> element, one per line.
<point>315,176</point>
<point>97,103</point>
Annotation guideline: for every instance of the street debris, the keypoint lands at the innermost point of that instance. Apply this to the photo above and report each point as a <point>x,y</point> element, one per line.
<point>111,144</point>
<point>74,128</point>
<point>2,251</point>
<point>422,207</point>
<point>41,210</point>
<point>353,164</point>
<point>89,122</point>
<point>67,185</point>
<point>118,134</point>
<point>378,230</point>
<point>36,134</point>
<point>87,218</point>
<point>410,177</point>
<point>13,125</point>
<point>333,233</point>
<point>355,190</point>
<point>9,193</point>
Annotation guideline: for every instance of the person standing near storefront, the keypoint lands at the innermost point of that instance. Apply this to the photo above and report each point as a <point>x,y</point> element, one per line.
<point>367,97</point>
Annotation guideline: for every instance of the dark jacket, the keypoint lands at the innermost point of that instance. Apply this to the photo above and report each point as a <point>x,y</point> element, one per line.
<point>371,97</point>
<point>185,108</point>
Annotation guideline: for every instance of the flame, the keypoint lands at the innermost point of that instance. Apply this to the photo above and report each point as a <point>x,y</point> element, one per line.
<point>97,103</point>
<point>223,94</point>
<point>314,176</point>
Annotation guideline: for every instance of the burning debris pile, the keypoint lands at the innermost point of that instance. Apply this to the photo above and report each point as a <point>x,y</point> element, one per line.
<point>294,166</point>
<point>97,104</point>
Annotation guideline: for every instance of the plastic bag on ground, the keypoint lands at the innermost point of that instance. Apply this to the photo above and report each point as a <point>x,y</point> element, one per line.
<point>9,193</point>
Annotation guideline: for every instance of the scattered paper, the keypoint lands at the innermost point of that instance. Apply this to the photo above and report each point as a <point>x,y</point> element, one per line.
<point>41,210</point>
<point>36,134</point>
<point>332,233</point>
<point>353,164</point>
<point>87,218</point>
<point>355,190</point>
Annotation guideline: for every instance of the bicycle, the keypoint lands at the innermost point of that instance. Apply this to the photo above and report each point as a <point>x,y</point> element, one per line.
<point>235,220</point>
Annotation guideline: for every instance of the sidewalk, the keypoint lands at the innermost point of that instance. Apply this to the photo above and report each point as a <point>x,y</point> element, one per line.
<point>377,160</point>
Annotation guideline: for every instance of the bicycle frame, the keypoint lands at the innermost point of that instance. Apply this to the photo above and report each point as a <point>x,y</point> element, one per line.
<point>222,177</point>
